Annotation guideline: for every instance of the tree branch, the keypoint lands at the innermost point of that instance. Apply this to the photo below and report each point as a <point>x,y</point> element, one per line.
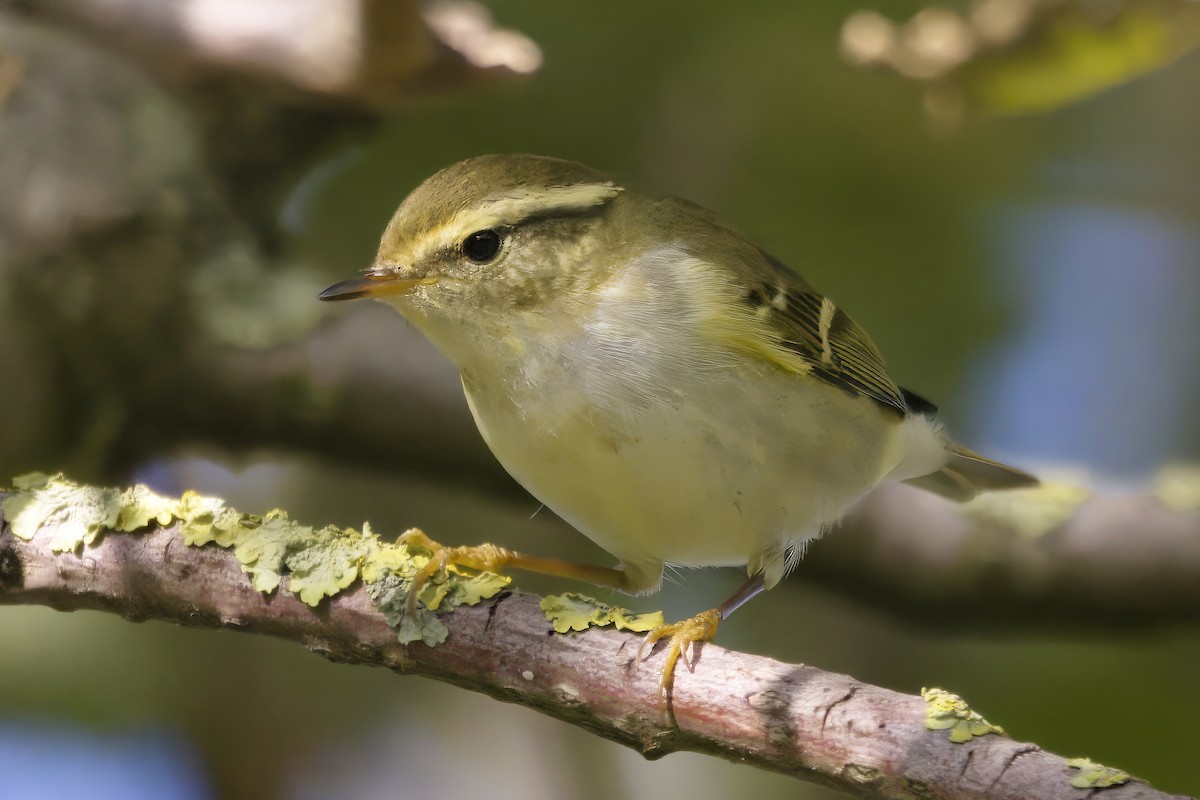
<point>1057,554</point>
<point>370,53</point>
<point>1008,57</point>
<point>798,720</point>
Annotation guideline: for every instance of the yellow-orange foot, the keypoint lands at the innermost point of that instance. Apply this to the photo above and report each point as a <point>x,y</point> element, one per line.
<point>483,557</point>
<point>684,634</point>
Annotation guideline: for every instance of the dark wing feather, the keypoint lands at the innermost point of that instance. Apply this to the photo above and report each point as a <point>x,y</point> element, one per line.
<point>838,350</point>
<point>917,404</point>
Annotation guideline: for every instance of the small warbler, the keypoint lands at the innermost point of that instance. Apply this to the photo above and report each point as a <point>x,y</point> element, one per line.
<point>656,379</point>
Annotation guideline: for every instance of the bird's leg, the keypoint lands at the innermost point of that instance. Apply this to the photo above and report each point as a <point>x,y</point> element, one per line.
<point>492,558</point>
<point>700,628</point>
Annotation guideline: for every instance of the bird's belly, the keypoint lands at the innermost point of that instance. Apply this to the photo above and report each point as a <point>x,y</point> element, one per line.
<point>711,478</point>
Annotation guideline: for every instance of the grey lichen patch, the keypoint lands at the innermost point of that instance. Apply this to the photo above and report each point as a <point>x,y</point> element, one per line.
<point>1031,512</point>
<point>390,593</point>
<point>454,586</point>
<point>947,711</point>
<point>1095,776</point>
<point>320,562</point>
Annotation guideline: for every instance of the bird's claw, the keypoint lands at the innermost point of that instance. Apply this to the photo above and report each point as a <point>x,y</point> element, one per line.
<point>683,634</point>
<point>484,557</point>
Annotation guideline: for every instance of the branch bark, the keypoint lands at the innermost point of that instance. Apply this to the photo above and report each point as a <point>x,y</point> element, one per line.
<point>1056,554</point>
<point>823,727</point>
<point>366,53</point>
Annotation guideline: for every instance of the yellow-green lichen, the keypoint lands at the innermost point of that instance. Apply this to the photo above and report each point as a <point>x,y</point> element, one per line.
<point>577,612</point>
<point>1095,776</point>
<point>388,574</point>
<point>79,514</point>
<point>947,711</point>
<point>319,562</point>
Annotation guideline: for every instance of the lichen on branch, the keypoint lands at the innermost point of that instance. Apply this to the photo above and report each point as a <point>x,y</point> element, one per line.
<point>793,719</point>
<point>319,562</point>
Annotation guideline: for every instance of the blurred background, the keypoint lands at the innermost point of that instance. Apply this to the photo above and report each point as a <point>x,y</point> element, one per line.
<point>1009,201</point>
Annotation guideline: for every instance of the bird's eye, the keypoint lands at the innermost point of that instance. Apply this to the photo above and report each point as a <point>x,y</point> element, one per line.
<point>481,246</point>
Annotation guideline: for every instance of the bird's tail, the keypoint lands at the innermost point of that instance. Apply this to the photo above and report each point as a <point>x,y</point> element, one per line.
<point>965,474</point>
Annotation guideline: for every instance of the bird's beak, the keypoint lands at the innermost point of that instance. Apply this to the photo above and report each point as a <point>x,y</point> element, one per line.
<point>376,283</point>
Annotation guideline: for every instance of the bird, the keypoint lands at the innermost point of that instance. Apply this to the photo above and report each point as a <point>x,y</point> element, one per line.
<point>652,376</point>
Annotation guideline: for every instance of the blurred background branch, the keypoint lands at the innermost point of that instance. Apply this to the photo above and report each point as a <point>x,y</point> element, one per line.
<point>140,248</point>
<point>793,719</point>
<point>1054,556</point>
<point>1023,56</point>
<point>344,53</point>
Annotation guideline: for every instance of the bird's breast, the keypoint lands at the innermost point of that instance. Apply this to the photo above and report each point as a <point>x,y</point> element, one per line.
<point>676,455</point>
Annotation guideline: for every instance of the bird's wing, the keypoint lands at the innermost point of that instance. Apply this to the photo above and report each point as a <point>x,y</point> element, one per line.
<point>789,324</point>
<point>799,322</point>
<point>832,346</point>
